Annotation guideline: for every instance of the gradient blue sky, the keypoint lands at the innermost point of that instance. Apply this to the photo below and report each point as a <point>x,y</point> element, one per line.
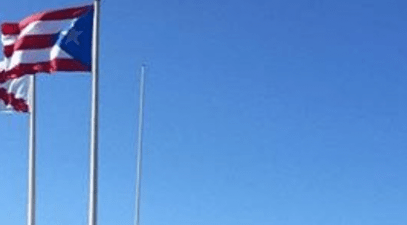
<point>263,112</point>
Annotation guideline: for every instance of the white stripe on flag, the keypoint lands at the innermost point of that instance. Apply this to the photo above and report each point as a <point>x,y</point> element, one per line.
<point>8,39</point>
<point>46,27</point>
<point>37,56</point>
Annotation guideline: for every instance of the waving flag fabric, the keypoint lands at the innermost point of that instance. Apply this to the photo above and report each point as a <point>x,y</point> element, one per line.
<point>47,42</point>
<point>14,94</point>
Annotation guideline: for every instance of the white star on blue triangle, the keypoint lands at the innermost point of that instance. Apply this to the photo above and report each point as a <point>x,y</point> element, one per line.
<point>77,40</point>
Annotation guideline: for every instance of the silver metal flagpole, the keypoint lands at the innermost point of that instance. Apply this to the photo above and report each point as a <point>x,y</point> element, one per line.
<point>93,168</point>
<point>140,145</point>
<point>31,158</point>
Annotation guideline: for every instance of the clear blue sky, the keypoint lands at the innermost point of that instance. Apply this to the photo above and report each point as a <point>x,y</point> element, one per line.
<point>263,112</point>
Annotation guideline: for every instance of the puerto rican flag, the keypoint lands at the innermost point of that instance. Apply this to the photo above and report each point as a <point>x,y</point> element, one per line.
<point>46,42</point>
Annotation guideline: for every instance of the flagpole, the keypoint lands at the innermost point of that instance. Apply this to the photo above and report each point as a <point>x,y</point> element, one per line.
<point>93,168</point>
<point>140,145</point>
<point>31,158</point>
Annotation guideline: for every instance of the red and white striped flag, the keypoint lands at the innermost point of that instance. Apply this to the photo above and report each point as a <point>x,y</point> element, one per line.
<point>58,40</point>
<point>15,93</point>
<point>50,41</point>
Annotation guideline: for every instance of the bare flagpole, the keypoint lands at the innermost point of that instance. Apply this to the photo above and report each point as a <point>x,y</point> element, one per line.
<point>140,145</point>
<point>93,168</point>
<point>31,157</point>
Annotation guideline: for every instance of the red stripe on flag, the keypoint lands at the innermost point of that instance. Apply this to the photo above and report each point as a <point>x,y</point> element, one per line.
<point>31,42</point>
<point>8,50</point>
<point>10,28</point>
<point>18,104</point>
<point>35,42</point>
<point>63,65</point>
<point>62,14</point>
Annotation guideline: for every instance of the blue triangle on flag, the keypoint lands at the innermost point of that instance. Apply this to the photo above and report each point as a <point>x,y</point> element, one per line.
<point>77,40</point>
